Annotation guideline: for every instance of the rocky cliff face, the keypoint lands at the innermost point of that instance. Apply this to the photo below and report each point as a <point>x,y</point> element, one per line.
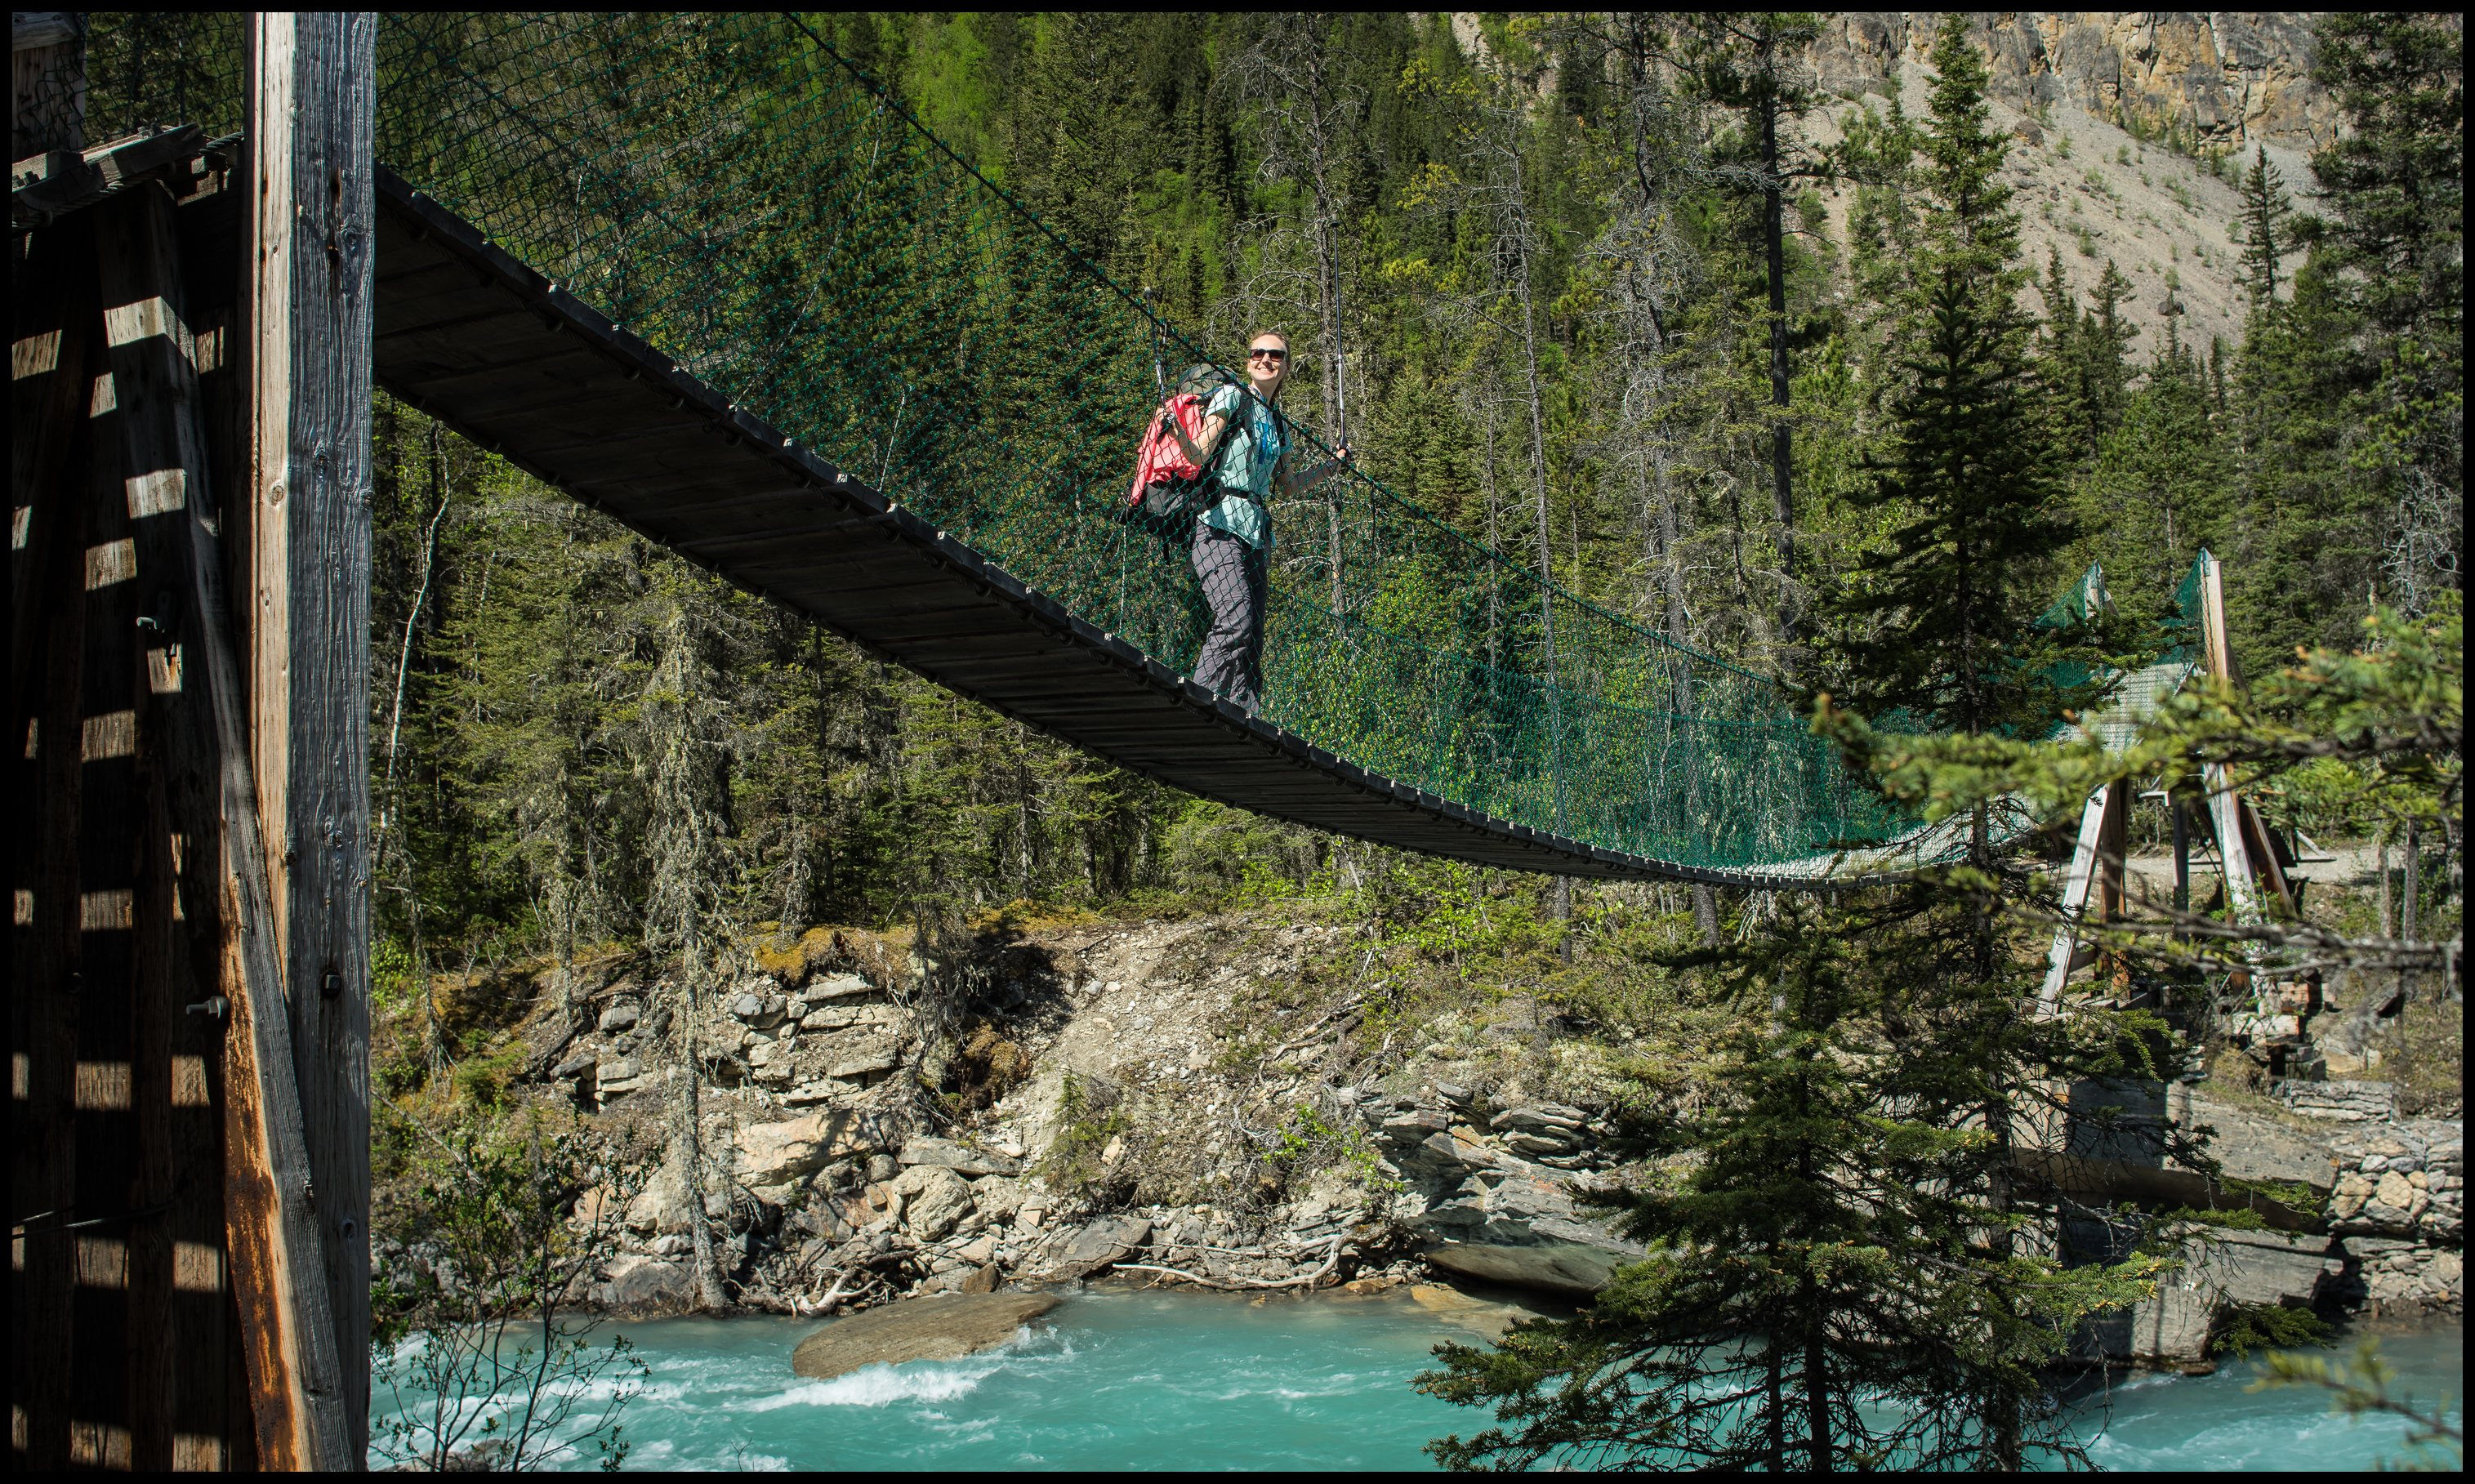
<point>2231,79</point>
<point>1199,1102</point>
<point>2126,131</point>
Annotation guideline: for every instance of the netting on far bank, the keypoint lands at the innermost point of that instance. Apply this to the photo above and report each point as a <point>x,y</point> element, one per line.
<point>735,192</point>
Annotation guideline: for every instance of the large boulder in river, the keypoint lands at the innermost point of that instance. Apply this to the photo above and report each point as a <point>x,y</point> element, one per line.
<point>1525,1232</point>
<point>2224,1267</point>
<point>944,1326</point>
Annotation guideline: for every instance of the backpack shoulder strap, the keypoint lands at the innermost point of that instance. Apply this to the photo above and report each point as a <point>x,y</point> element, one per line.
<point>1211,465</point>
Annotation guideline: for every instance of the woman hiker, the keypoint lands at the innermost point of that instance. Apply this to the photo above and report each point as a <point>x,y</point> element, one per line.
<point>1234,534</point>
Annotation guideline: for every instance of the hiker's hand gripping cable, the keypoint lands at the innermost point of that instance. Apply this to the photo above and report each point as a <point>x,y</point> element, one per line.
<point>1300,484</point>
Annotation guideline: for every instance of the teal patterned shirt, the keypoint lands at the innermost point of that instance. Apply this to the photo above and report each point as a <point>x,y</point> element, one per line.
<point>1252,450</point>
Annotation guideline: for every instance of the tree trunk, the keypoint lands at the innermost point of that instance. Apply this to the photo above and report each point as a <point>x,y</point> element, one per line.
<point>2411,882</point>
<point>1814,1339</point>
<point>1773,243</point>
<point>1536,397</point>
<point>2381,868</point>
<point>687,1153</point>
<point>1706,912</point>
<point>1775,1403</point>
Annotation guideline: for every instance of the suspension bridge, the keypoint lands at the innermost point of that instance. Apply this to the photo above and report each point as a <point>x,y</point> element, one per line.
<point>711,280</point>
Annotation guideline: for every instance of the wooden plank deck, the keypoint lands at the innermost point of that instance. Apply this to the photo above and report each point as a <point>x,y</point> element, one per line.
<point>471,336</point>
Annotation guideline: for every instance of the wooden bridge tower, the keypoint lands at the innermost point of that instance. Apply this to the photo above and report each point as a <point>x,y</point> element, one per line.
<point>189,615</point>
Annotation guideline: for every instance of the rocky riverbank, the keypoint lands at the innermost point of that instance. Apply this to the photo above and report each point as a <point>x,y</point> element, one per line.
<point>1202,1104</point>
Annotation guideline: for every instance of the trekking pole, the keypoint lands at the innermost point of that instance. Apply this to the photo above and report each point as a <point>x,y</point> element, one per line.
<point>1159,345</point>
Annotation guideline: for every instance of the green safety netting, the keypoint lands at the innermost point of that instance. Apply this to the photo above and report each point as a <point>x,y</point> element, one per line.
<point>731,189</point>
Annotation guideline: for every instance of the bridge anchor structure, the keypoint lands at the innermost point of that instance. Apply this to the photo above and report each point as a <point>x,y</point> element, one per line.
<point>2250,859</point>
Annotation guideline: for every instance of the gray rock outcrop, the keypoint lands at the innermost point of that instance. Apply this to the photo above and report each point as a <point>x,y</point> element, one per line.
<point>961,1158</point>
<point>2231,76</point>
<point>648,1287</point>
<point>1488,1213</point>
<point>2391,1276</point>
<point>2403,1179</point>
<point>935,1200</point>
<point>2255,1146</point>
<point>1109,1240</point>
<point>771,1158</point>
<point>2340,1101</point>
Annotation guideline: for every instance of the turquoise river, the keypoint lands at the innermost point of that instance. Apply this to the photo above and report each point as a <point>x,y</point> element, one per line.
<point>1116,1381</point>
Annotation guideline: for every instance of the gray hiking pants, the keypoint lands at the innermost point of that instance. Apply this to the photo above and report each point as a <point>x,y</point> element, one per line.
<point>1233,577</point>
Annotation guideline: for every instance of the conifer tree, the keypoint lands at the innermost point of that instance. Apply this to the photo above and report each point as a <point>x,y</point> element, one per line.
<point>1850,1230</point>
<point>1818,1301</point>
<point>2266,238</point>
<point>2157,491</point>
<point>1940,633</point>
<point>2087,364</point>
<point>2394,186</point>
<point>1935,619</point>
<point>1746,60</point>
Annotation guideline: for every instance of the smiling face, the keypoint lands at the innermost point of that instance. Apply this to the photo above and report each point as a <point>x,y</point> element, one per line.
<point>1267,362</point>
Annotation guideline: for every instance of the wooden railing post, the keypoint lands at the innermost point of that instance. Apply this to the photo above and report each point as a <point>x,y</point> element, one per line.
<point>307,316</point>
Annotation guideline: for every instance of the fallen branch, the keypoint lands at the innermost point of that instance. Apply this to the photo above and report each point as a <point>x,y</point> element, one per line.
<point>1225,1252</point>
<point>871,1287</point>
<point>1312,1031</point>
<point>824,1305</point>
<point>1331,1260</point>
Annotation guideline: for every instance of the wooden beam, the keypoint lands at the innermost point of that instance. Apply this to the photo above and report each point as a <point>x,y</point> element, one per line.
<point>103,1361</point>
<point>2225,813</point>
<point>2112,846</point>
<point>2078,886</point>
<point>50,386</point>
<point>2261,847</point>
<point>274,1241</point>
<point>311,97</point>
<point>2179,809</point>
<point>32,29</point>
<point>45,186</point>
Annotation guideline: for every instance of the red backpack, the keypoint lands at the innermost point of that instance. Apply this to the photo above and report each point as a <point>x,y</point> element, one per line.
<point>1167,484</point>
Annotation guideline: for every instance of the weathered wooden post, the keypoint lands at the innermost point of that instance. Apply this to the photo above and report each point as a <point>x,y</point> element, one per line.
<point>50,303</point>
<point>303,546</point>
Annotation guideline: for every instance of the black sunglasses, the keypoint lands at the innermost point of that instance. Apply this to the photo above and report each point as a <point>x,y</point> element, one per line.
<point>1264,349</point>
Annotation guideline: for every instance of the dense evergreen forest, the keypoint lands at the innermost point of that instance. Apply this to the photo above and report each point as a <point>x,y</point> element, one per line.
<point>1562,280</point>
